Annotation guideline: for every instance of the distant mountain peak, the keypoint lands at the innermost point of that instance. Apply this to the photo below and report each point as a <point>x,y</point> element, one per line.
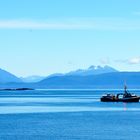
<point>100,67</point>
<point>95,67</point>
<point>93,70</point>
<point>92,67</point>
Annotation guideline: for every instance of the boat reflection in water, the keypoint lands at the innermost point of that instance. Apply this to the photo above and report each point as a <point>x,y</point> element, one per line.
<point>121,97</point>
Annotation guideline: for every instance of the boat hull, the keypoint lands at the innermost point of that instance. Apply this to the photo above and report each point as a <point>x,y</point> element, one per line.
<point>134,99</point>
<point>107,100</point>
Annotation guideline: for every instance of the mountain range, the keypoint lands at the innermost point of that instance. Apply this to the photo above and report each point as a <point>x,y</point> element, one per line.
<point>106,80</point>
<point>93,77</point>
<point>92,70</point>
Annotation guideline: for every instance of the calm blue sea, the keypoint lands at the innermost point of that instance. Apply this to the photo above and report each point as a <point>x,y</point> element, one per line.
<point>66,115</point>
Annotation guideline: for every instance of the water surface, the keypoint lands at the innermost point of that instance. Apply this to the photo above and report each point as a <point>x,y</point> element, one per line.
<point>66,114</point>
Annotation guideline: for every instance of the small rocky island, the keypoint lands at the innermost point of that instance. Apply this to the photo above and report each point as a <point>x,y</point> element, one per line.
<point>15,89</point>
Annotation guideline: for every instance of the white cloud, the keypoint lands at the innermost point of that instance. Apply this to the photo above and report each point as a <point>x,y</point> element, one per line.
<point>130,61</point>
<point>114,24</point>
<point>25,24</point>
<point>135,60</point>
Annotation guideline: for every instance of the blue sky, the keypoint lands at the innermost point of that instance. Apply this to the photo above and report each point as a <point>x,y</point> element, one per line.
<point>40,37</point>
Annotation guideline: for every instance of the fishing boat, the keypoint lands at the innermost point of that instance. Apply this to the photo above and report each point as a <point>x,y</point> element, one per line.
<point>120,97</point>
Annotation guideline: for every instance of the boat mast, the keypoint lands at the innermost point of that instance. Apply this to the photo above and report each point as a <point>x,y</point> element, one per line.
<point>125,88</point>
